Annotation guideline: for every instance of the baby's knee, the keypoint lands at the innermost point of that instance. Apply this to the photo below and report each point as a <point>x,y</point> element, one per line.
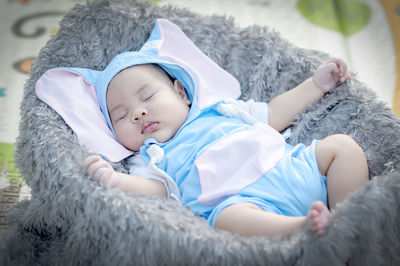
<point>333,147</point>
<point>340,143</point>
<point>343,146</point>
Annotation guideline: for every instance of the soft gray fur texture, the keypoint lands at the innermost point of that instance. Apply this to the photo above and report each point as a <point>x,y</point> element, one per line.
<point>72,220</point>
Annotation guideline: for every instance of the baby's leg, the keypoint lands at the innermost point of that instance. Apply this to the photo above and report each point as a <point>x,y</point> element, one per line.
<point>343,162</point>
<point>248,219</point>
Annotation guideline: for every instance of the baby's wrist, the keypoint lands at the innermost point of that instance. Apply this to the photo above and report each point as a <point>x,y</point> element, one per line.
<point>114,180</point>
<point>316,87</point>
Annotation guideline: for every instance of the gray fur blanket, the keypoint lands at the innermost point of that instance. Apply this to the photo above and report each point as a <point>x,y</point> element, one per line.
<point>72,220</point>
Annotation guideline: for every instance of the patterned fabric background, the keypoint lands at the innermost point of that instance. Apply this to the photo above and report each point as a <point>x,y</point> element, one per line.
<point>365,33</point>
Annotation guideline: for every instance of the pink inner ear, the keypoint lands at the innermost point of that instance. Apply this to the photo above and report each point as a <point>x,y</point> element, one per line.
<point>75,100</point>
<point>213,83</point>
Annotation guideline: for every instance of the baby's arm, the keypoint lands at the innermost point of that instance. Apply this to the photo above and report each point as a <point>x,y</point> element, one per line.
<point>100,170</point>
<point>283,109</point>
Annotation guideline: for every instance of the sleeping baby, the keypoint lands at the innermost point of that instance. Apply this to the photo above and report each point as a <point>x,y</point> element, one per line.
<point>227,160</point>
<point>175,116</point>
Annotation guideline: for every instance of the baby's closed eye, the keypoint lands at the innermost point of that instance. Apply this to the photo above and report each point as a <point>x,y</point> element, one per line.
<point>122,116</point>
<point>117,116</point>
<point>148,95</point>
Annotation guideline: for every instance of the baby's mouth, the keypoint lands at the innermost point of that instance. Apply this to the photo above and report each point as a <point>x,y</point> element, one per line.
<point>149,127</point>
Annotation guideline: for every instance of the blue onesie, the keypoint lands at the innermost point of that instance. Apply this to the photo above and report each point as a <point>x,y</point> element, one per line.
<point>217,161</point>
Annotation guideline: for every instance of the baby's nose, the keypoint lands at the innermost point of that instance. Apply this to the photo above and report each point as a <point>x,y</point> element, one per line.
<point>138,115</point>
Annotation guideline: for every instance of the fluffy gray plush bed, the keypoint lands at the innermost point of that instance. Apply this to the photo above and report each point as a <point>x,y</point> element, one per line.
<point>72,220</point>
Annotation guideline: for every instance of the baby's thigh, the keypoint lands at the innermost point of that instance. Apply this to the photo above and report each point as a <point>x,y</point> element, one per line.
<point>233,208</point>
<point>235,216</point>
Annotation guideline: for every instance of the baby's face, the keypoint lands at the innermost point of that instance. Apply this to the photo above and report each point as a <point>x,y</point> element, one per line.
<point>144,103</point>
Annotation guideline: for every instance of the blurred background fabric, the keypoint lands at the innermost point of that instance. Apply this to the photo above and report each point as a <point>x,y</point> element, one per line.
<point>364,33</point>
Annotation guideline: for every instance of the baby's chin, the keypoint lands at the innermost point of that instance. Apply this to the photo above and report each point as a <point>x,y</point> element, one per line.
<point>135,147</point>
<point>163,136</point>
<point>159,136</point>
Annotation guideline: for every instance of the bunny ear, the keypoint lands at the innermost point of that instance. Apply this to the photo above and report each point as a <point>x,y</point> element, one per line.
<point>71,93</point>
<point>211,83</point>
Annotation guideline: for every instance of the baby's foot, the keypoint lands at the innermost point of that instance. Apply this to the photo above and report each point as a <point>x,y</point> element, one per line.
<point>318,217</point>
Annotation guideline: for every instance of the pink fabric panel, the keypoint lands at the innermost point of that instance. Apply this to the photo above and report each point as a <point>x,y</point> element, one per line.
<point>213,82</point>
<point>74,99</point>
<point>237,161</point>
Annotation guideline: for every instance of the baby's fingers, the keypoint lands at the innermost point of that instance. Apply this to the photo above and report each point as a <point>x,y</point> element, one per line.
<point>104,175</point>
<point>343,78</point>
<point>343,69</point>
<point>94,167</point>
<point>342,66</point>
<point>90,159</point>
<point>332,67</point>
<point>100,170</point>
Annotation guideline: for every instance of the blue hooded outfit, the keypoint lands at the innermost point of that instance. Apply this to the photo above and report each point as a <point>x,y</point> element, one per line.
<point>225,153</point>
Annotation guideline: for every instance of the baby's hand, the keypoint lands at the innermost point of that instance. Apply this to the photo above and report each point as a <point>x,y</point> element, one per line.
<point>330,74</point>
<point>100,170</point>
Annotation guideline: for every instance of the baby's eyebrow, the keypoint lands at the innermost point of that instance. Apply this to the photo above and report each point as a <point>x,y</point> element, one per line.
<point>144,87</point>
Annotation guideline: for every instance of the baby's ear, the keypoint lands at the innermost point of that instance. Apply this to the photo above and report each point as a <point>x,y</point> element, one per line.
<point>178,86</point>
